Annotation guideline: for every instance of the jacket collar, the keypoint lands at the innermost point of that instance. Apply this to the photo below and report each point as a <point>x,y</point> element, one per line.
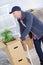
<point>23,15</point>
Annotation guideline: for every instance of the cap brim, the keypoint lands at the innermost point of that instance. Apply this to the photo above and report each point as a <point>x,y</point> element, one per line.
<point>10,12</point>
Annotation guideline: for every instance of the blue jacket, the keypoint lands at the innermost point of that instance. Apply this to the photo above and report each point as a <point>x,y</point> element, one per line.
<point>32,24</point>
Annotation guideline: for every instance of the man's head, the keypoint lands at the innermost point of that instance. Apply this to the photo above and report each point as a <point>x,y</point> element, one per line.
<point>16,11</point>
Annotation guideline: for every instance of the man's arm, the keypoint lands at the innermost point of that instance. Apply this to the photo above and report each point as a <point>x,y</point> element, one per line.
<point>29,21</point>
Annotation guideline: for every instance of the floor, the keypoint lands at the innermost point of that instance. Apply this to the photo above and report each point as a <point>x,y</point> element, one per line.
<point>5,61</point>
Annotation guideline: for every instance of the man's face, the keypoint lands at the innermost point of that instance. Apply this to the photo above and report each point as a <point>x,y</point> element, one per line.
<point>17,14</point>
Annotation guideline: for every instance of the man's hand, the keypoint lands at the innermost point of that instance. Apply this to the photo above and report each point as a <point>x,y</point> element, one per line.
<point>24,44</point>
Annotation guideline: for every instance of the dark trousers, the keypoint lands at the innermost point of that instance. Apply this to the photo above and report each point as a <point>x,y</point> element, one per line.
<point>39,51</point>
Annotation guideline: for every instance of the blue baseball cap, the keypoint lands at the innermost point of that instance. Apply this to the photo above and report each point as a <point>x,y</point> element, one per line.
<point>15,8</point>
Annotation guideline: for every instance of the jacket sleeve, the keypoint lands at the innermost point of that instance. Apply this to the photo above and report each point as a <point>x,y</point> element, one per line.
<point>29,21</point>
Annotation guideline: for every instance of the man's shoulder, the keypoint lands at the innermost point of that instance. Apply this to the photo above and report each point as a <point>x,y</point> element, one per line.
<point>28,14</point>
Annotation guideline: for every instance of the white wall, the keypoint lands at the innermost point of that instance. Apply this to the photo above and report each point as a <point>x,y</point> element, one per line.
<point>24,4</point>
<point>28,4</point>
<point>7,21</point>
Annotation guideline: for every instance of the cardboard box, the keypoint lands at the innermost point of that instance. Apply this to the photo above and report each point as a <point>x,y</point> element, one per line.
<point>29,43</point>
<point>16,53</point>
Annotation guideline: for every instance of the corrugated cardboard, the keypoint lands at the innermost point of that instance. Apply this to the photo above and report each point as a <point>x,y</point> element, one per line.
<point>16,53</point>
<point>29,43</point>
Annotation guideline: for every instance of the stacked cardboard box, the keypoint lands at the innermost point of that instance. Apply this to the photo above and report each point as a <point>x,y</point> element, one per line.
<point>16,53</point>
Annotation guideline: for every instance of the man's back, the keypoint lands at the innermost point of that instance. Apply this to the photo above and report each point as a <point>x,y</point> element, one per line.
<point>37,27</point>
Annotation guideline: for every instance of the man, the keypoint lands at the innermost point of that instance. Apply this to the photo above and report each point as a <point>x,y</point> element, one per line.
<point>30,24</point>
